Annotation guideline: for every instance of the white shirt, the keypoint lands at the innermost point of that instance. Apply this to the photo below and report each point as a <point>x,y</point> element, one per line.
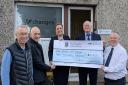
<point>117,66</point>
<point>60,38</point>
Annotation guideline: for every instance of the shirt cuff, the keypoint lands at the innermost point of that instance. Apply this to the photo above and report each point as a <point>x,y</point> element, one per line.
<point>106,69</point>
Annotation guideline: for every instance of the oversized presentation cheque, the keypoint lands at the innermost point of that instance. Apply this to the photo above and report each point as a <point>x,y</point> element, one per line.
<point>78,53</point>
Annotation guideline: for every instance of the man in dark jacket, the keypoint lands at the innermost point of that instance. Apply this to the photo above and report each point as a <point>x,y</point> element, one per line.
<point>84,72</point>
<point>17,68</point>
<point>39,66</point>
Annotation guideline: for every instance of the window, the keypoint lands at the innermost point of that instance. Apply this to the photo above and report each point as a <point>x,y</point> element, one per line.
<point>43,16</point>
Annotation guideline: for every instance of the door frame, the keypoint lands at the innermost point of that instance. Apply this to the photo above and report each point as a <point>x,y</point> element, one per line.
<point>78,8</point>
<point>74,76</point>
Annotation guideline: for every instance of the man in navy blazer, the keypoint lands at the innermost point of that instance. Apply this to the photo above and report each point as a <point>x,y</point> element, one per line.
<point>84,71</point>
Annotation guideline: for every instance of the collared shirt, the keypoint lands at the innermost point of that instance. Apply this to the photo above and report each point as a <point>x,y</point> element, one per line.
<point>86,38</point>
<point>5,68</point>
<point>117,66</point>
<point>60,38</point>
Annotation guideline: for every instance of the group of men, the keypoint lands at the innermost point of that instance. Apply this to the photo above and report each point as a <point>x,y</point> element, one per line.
<point>23,61</point>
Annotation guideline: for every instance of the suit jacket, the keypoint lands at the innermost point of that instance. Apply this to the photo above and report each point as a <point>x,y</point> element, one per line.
<point>39,66</point>
<point>50,52</point>
<point>93,37</point>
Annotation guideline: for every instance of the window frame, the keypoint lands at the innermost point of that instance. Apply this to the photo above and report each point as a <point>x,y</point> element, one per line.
<point>43,5</point>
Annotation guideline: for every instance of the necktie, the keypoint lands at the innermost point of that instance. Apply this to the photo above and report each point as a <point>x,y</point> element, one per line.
<point>88,36</point>
<point>109,57</point>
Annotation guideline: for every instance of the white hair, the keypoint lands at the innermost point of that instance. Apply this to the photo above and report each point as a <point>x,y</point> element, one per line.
<point>90,24</point>
<point>22,26</point>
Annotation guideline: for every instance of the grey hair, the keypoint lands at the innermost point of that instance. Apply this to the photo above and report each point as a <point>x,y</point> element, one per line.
<point>90,24</point>
<point>22,26</point>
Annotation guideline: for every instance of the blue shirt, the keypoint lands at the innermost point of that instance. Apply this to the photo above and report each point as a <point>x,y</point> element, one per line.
<point>5,68</point>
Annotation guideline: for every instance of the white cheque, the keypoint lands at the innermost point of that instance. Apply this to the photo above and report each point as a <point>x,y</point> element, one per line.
<point>78,53</point>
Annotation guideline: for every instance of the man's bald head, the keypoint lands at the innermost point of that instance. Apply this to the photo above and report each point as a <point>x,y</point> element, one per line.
<point>87,26</point>
<point>114,39</point>
<point>35,34</point>
<point>35,29</point>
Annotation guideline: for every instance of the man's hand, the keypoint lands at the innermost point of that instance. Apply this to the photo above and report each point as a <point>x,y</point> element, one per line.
<point>52,65</point>
<point>102,67</point>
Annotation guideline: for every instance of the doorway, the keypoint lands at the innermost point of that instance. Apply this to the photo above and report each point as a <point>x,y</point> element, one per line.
<point>77,15</point>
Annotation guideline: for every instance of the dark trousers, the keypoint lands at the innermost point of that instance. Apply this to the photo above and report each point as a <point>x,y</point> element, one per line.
<point>84,72</point>
<point>115,82</point>
<point>45,82</point>
<point>60,75</point>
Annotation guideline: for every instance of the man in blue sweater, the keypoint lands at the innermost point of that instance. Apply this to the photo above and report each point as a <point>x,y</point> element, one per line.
<point>16,68</point>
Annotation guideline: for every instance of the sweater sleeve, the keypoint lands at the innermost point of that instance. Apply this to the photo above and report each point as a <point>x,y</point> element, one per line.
<point>5,68</point>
